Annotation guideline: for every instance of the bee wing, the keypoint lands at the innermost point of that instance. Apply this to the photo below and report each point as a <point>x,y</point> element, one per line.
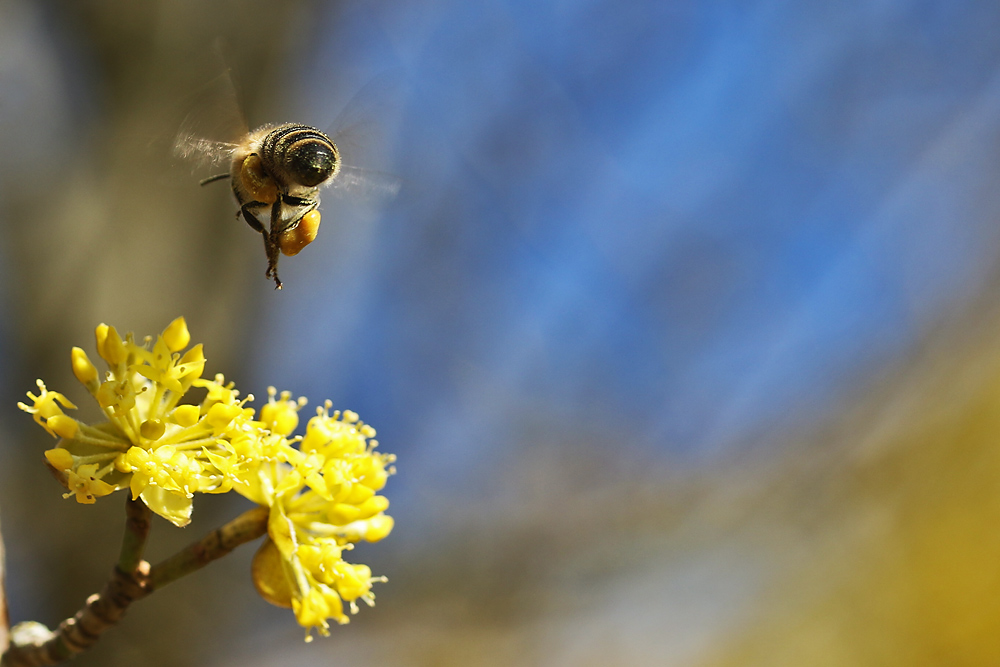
<point>203,152</point>
<point>361,129</point>
<point>367,185</point>
<point>360,132</point>
<point>213,128</point>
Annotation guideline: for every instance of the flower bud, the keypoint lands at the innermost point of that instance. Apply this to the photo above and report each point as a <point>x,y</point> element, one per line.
<point>84,369</point>
<point>63,426</point>
<point>176,335</point>
<point>185,415</point>
<point>59,458</point>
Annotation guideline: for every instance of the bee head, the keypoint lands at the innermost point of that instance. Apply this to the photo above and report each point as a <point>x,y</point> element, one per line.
<point>312,162</point>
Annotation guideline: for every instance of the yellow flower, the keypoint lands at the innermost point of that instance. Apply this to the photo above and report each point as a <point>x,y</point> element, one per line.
<point>281,416</point>
<point>321,488</point>
<point>85,486</point>
<point>323,500</point>
<point>45,406</point>
<point>150,443</point>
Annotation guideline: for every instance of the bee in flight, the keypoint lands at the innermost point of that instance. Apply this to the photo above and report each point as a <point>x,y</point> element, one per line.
<point>276,172</point>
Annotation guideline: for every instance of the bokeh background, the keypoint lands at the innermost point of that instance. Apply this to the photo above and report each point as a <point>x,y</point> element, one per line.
<point>683,324</point>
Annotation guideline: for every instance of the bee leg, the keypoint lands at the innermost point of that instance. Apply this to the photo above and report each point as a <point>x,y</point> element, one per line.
<point>309,205</point>
<point>271,246</point>
<point>251,218</point>
<point>298,201</point>
<point>272,262</point>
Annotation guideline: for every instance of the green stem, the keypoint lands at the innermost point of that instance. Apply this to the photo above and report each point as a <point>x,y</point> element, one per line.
<point>136,530</point>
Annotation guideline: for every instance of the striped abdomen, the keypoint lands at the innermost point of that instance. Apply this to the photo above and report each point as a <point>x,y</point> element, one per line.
<point>299,155</point>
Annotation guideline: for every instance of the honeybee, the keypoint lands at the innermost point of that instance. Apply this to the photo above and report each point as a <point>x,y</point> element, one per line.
<point>276,172</point>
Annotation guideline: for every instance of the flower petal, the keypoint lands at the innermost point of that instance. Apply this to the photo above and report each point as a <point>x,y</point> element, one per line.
<point>173,507</point>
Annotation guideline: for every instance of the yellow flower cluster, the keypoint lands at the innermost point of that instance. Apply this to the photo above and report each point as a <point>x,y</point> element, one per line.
<point>323,499</point>
<point>321,488</point>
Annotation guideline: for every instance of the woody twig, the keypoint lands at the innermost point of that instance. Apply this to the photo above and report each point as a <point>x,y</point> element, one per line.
<point>4,613</point>
<point>131,580</point>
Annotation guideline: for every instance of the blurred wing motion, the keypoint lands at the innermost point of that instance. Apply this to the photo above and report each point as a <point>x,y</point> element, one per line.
<point>360,133</point>
<point>214,127</point>
<point>366,185</point>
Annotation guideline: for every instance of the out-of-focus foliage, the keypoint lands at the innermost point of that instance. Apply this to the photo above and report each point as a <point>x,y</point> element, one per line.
<point>895,559</point>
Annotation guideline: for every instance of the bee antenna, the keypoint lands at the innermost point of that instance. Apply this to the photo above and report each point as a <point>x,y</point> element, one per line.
<point>213,179</point>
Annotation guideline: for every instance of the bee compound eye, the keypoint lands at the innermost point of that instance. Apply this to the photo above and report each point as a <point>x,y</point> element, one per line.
<point>312,163</point>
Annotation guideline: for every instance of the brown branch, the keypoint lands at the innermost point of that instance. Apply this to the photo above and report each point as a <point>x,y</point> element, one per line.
<point>4,613</point>
<point>105,609</point>
<point>79,633</point>
<point>246,527</point>
<point>34,645</point>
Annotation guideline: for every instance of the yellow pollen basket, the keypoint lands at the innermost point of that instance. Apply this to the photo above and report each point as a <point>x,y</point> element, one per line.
<point>292,241</point>
<point>256,181</point>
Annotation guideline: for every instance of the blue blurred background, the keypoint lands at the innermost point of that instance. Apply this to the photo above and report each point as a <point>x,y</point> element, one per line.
<point>689,222</point>
<point>638,247</point>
